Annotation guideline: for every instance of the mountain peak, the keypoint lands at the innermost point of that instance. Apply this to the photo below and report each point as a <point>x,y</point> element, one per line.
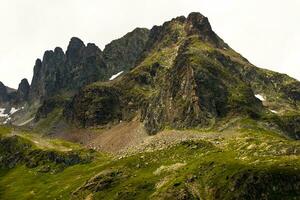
<point>92,47</point>
<point>199,21</point>
<point>74,50</point>
<point>23,90</point>
<point>195,15</point>
<point>75,43</point>
<point>58,50</point>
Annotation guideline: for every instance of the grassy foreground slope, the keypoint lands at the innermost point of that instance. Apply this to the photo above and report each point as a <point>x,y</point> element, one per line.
<point>251,164</point>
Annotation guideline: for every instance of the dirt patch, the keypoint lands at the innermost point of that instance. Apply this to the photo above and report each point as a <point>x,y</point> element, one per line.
<point>122,136</point>
<point>127,138</point>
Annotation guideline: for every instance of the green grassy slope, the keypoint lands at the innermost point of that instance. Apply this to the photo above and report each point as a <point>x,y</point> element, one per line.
<point>255,164</point>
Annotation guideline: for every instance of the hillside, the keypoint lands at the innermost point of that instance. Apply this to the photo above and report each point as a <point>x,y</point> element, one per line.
<point>187,77</point>
<point>168,113</point>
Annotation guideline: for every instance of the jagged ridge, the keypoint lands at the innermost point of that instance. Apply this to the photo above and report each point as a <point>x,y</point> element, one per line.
<point>187,77</point>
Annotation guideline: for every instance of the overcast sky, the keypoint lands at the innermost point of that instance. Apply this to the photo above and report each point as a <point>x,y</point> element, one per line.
<point>266,32</point>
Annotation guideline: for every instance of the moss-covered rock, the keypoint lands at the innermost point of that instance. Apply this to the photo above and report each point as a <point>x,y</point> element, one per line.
<point>95,105</point>
<point>15,151</point>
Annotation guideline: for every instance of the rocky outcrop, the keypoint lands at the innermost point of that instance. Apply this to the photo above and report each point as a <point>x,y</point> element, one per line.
<point>48,106</point>
<point>16,150</point>
<point>95,106</point>
<point>23,91</point>
<point>251,184</point>
<point>199,25</point>
<point>122,54</point>
<point>99,182</point>
<point>82,64</point>
<point>3,93</point>
<point>36,83</point>
<point>59,72</point>
<point>48,74</point>
<point>85,65</point>
<point>186,77</point>
<point>8,95</point>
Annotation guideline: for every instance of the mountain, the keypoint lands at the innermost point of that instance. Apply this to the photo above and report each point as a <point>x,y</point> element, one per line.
<point>187,77</point>
<point>121,54</point>
<point>59,71</point>
<point>83,64</point>
<point>10,95</point>
<point>61,74</point>
<point>168,113</point>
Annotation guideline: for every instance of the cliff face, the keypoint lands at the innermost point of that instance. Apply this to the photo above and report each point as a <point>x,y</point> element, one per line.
<point>122,54</point>
<point>23,91</point>
<point>82,64</point>
<point>9,95</point>
<point>180,75</point>
<point>3,93</point>
<point>59,71</point>
<point>188,77</point>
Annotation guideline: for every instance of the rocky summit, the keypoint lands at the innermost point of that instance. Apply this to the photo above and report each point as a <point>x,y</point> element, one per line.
<point>167,113</point>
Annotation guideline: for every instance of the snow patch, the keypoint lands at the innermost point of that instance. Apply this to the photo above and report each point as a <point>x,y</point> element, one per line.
<point>2,114</point>
<point>115,75</point>
<point>7,120</point>
<point>14,110</point>
<point>7,116</point>
<point>274,111</point>
<point>26,122</point>
<point>260,97</point>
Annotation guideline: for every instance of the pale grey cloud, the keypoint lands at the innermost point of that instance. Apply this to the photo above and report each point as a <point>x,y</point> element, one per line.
<point>264,31</point>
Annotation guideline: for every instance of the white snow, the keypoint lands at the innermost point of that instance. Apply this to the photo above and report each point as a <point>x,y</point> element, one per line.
<point>8,115</point>
<point>14,110</point>
<point>260,97</point>
<point>115,75</point>
<point>7,120</point>
<point>26,122</point>
<point>273,111</point>
<point>2,110</point>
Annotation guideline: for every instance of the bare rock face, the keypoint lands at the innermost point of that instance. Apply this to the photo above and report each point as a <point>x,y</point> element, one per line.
<point>23,91</point>
<point>48,74</point>
<point>95,106</point>
<point>199,24</point>
<point>59,72</point>
<point>74,51</point>
<point>36,90</point>
<point>82,64</point>
<point>10,96</point>
<point>3,93</point>
<point>122,54</point>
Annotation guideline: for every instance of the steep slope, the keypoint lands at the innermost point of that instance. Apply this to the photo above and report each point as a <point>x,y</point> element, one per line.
<point>254,163</point>
<point>121,54</point>
<point>7,94</point>
<point>23,91</point>
<point>187,77</point>
<point>59,75</point>
<point>82,64</point>
<point>12,96</point>
<point>191,119</point>
<point>3,93</point>
<point>67,72</point>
